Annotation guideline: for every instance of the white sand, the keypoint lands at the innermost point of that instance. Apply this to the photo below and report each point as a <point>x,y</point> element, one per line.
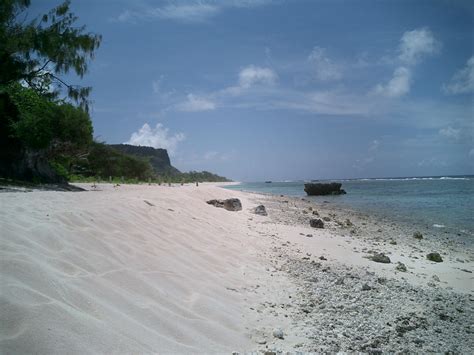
<point>103,271</point>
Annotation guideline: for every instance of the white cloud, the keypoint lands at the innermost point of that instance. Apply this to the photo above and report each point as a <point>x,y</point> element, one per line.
<point>399,85</point>
<point>416,44</point>
<point>321,102</point>
<point>450,132</point>
<point>324,68</point>
<point>374,146</point>
<point>186,11</point>
<point>253,75</point>
<point>158,137</point>
<point>197,12</point>
<point>196,104</point>
<point>462,81</point>
<point>156,85</point>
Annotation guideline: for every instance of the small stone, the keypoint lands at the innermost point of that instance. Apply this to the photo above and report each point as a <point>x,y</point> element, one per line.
<point>322,258</point>
<point>278,333</point>
<point>380,258</point>
<point>260,210</point>
<point>401,267</point>
<point>327,219</point>
<point>260,341</point>
<point>435,278</point>
<point>393,242</point>
<point>434,257</point>
<point>309,235</point>
<point>316,223</point>
<point>315,213</point>
<point>417,235</point>
<point>366,287</point>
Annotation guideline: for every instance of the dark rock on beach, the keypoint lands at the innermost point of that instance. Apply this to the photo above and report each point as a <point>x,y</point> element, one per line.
<point>260,210</point>
<point>434,257</point>
<point>316,223</point>
<point>231,204</point>
<point>417,235</point>
<point>380,258</point>
<point>333,188</point>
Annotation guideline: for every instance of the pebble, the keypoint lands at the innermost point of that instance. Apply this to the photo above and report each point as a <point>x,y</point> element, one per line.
<point>278,333</point>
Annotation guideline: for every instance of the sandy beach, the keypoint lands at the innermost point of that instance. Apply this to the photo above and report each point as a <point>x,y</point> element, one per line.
<point>142,269</point>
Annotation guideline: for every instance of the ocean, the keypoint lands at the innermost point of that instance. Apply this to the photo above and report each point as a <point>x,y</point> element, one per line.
<point>443,205</point>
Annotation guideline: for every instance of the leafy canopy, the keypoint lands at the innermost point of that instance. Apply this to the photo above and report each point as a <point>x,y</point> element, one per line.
<point>40,51</point>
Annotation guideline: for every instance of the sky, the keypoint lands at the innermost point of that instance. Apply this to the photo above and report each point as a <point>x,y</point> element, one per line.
<point>286,90</point>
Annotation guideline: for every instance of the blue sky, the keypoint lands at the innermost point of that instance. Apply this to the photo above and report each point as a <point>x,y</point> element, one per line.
<point>277,90</point>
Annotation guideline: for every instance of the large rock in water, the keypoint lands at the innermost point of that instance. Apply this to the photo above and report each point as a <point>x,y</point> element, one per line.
<point>332,188</point>
<point>231,204</point>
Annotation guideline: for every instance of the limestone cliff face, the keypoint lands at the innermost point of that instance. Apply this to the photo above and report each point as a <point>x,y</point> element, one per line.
<point>158,157</point>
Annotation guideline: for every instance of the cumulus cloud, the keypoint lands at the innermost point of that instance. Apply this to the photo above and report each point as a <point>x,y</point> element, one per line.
<point>158,137</point>
<point>450,132</point>
<point>462,81</point>
<point>196,104</point>
<point>398,86</point>
<point>416,44</point>
<point>324,68</point>
<point>253,75</point>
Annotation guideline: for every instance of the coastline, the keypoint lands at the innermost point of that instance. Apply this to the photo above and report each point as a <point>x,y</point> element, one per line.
<point>144,268</point>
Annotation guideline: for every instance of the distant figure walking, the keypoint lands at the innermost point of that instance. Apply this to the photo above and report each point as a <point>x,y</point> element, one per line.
<point>197,184</point>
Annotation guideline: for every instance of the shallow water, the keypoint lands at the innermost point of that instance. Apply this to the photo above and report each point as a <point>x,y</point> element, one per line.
<point>441,204</point>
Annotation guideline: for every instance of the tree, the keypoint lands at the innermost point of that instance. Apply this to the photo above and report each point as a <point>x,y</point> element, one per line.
<point>37,53</point>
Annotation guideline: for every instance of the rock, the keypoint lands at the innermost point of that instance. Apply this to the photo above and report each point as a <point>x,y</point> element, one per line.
<point>417,235</point>
<point>401,267</point>
<point>434,257</point>
<point>366,287</point>
<point>278,333</point>
<point>380,258</point>
<point>393,242</point>
<point>216,203</point>
<point>435,278</point>
<point>231,204</point>
<point>309,235</point>
<point>327,219</point>
<point>333,188</point>
<point>260,210</point>
<point>322,258</point>
<point>315,213</point>
<point>316,223</point>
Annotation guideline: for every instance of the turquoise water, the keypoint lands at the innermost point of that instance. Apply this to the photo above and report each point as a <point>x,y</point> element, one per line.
<point>445,205</point>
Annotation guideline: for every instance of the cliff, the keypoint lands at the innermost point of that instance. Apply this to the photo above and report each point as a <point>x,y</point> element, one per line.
<point>158,157</point>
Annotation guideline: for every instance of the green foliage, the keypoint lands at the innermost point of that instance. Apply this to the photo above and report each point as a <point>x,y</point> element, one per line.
<point>38,121</point>
<point>103,161</point>
<point>190,177</point>
<point>33,125</point>
<point>39,51</point>
<point>72,124</point>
